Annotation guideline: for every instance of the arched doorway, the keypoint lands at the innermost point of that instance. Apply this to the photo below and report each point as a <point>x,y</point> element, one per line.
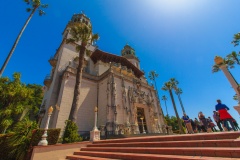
<point>141,120</point>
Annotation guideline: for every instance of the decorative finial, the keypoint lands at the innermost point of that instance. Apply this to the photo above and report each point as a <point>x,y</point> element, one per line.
<point>50,110</point>
<point>96,109</point>
<point>57,107</point>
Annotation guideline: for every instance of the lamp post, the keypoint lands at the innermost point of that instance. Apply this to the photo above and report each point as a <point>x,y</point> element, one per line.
<point>44,141</point>
<point>95,121</point>
<point>220,62</point>
<point>144,132</point>
<point>95,133</point>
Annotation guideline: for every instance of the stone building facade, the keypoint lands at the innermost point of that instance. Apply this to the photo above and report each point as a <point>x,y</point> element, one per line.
<point>126,103</point>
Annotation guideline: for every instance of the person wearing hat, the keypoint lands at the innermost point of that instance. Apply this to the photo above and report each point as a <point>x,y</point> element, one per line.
<point>224,115</point>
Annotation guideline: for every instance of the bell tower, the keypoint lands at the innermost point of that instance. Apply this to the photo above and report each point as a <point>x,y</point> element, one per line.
<point>129,53</point>
<point>80,17</point>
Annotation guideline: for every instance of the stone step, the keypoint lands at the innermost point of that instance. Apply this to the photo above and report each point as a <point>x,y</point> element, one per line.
<point>79,157</point>
<point>192,143</point>
<point>132,135</point>
<point>133,156</point>
<point>187,151</point>
<point>184,137</point>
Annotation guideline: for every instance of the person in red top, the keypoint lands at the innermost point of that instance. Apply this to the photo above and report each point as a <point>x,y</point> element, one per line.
<point>224,115</point>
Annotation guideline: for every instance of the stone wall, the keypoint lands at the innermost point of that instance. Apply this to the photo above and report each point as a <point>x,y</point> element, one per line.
<point>88,101</point>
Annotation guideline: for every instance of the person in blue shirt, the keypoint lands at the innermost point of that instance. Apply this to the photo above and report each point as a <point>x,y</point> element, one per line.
<point>224,115</point>
<point>187,123</point>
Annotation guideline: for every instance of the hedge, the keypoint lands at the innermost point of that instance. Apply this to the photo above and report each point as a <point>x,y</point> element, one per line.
<point>52,138</point>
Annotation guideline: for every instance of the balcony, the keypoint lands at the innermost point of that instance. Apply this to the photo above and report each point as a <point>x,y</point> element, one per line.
<point>53,61</point>
<point>116,66</point>
<point>48,80</point>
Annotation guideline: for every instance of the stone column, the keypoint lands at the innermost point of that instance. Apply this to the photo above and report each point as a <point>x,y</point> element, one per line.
<point>156,125</point>
<point>144,132</point>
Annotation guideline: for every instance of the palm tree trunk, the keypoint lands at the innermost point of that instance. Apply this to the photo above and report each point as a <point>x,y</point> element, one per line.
<point>166,107</point>
<point>156,88</point>
<point>176,112</point>
<point>76,98</point>
<point>180,100</point>
<point>16,42</point>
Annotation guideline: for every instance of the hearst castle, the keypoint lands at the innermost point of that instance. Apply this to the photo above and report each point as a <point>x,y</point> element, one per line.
<point>126,103</point>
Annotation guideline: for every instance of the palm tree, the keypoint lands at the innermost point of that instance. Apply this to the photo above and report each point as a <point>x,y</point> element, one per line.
<point>35,5</point>
<point>168,86</point>
<point>80,32</point>
<point>164,98</point>
<point>178,92</point>
<point>152,76</point>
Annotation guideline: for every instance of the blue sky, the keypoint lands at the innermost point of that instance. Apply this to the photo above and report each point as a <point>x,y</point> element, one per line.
<point>176,38</point>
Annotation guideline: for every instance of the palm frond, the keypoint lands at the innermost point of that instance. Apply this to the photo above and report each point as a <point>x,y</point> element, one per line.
<point>236,39</point>
<point>5,123</point>
<point>178,91</point>
<point>215,68</point>
<point>81,32</point>
<point>19,109</point>
<point>88,53</point>
<point>70,40</point>
<point>44,5</point>
<point>167,86</point>
<point>95,37</point>
<point>164,98</point>
<point>21,138</point>
<point>173,82</point>
<point>41,12</point>
<point>28,9</point>
<point>152,75</point>
<point>78,47</point>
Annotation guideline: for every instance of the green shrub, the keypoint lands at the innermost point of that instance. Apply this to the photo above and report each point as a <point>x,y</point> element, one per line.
<point>23,143</point>
<point>5,149</point>
<point>71,133</point>
<point>17,144</point>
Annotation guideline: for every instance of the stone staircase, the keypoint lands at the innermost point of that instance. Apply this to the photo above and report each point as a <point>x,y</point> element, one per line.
<point>202,146</point>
